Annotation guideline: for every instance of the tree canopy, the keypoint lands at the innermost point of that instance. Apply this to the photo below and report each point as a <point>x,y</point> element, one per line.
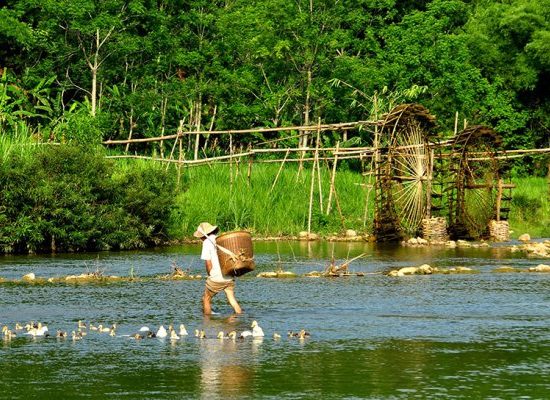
<point>89,70</point>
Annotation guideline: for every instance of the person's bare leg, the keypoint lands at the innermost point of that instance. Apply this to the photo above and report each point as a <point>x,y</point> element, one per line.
<point>230,293</point>
<point>207,302</point>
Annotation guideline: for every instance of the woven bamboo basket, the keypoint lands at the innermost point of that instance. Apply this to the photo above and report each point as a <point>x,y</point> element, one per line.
<point>241,261</point>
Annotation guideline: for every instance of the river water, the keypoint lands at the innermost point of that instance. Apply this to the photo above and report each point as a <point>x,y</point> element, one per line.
<point>483,335</point>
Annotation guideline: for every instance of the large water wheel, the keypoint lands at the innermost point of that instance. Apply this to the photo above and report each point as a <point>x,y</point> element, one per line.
<point>403,172</point>
<point>476,192</point>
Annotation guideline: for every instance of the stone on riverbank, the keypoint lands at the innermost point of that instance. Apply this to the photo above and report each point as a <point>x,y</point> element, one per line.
<point>524,238</point>
<point>540,268</point>
<point>29,277</point>
<point>303,235</point>
<point>424,269</point>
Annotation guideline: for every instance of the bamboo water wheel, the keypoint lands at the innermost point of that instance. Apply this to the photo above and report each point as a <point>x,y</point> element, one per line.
<point>475,195</point>
<point>403,172</point>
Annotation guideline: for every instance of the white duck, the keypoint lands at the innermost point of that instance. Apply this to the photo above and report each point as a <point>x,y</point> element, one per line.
<point>183,331</point>
<point>161,333</point>
<point>257,331</point>
<point>174,335</point>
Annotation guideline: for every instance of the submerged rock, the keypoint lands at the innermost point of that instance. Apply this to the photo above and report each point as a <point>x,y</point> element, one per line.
<point>506,269</point>
<point>276,274</point>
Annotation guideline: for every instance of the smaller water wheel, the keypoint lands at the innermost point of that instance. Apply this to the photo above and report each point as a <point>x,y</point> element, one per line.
<point>403,172</point>
<point>475,194</point>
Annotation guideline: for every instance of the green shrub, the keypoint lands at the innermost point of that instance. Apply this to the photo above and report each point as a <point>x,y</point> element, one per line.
<point>70,198</point>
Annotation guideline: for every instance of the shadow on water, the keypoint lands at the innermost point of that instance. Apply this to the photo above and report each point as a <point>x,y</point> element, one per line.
<point>443,336</point>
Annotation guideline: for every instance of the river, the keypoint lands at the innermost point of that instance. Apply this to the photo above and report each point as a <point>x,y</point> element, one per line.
<point>484,335</point>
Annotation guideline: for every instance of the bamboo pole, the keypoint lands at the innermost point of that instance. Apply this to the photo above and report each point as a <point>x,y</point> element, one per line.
<point>231,162</point>
<point>319,167</point>
<point>279,172</point>
<point>456,123</point>
<point>332,178</point>
<point>316,160</point>
<point>249,172</point>
<point>131,128</point>
<point>211,127</point>
<point>324,127</point>
<point>198,124</point>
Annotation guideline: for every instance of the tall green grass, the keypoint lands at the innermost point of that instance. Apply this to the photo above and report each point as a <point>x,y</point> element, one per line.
<point>18,141</point>
<point>207,195</point>
<point>530,211</point>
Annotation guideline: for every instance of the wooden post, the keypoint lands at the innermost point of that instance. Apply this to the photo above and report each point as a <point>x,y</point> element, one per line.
<point>429,184</point>
<point>332,178</point>
<point>499,199</point>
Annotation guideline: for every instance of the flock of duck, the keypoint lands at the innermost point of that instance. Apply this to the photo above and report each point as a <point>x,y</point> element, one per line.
<point>37,329</point>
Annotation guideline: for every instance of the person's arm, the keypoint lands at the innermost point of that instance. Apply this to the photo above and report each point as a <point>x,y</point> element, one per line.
<point>208,265</point>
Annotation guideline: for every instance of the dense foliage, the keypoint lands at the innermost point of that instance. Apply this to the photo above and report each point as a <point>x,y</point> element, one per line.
<point>88,70</point>
<point>65,198</point>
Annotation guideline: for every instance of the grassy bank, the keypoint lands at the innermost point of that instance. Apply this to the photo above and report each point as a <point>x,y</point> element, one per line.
<point>207,195</point>
<point>530,212</point>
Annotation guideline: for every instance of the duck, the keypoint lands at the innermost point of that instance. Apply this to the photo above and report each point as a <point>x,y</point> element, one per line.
<point>9,334</point>
<point>257,331</point>
<point>151,334</point>
<point>103,329</point>
<point>232,335</point>
<point>93,327</point>
<point>61,334</point>
<point>183,331</point>
<point>221,335</point>
<point>300,335</point>
<point>81,325</point>
<point>82,333</point>
<point>38,330</point>
<point>245,334</point>
<point>18,326</point>
<point>5,329</point>
<point>197,332</point>
<point>137,336</point>
<point>276,336</point>
<point>202,334</point>
<point>174,335</point>
<point>161,333</point>
<point>112,331</point>
<point>76,335</point>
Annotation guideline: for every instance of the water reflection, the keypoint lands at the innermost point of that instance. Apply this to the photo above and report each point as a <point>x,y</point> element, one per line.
<point>227,365</point>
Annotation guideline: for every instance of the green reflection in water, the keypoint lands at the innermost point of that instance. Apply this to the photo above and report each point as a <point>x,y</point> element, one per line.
<point>289,368</point>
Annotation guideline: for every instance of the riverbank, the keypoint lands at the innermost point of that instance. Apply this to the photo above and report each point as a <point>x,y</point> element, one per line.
<point>59,199</point>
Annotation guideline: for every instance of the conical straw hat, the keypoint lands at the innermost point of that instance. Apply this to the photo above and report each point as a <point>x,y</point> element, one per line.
<point>204,229</point>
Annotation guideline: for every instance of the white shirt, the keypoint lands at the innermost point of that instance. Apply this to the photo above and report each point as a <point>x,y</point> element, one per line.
<point>209,252</point>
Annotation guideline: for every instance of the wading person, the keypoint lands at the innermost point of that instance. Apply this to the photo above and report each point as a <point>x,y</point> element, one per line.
<point>216,281</point>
